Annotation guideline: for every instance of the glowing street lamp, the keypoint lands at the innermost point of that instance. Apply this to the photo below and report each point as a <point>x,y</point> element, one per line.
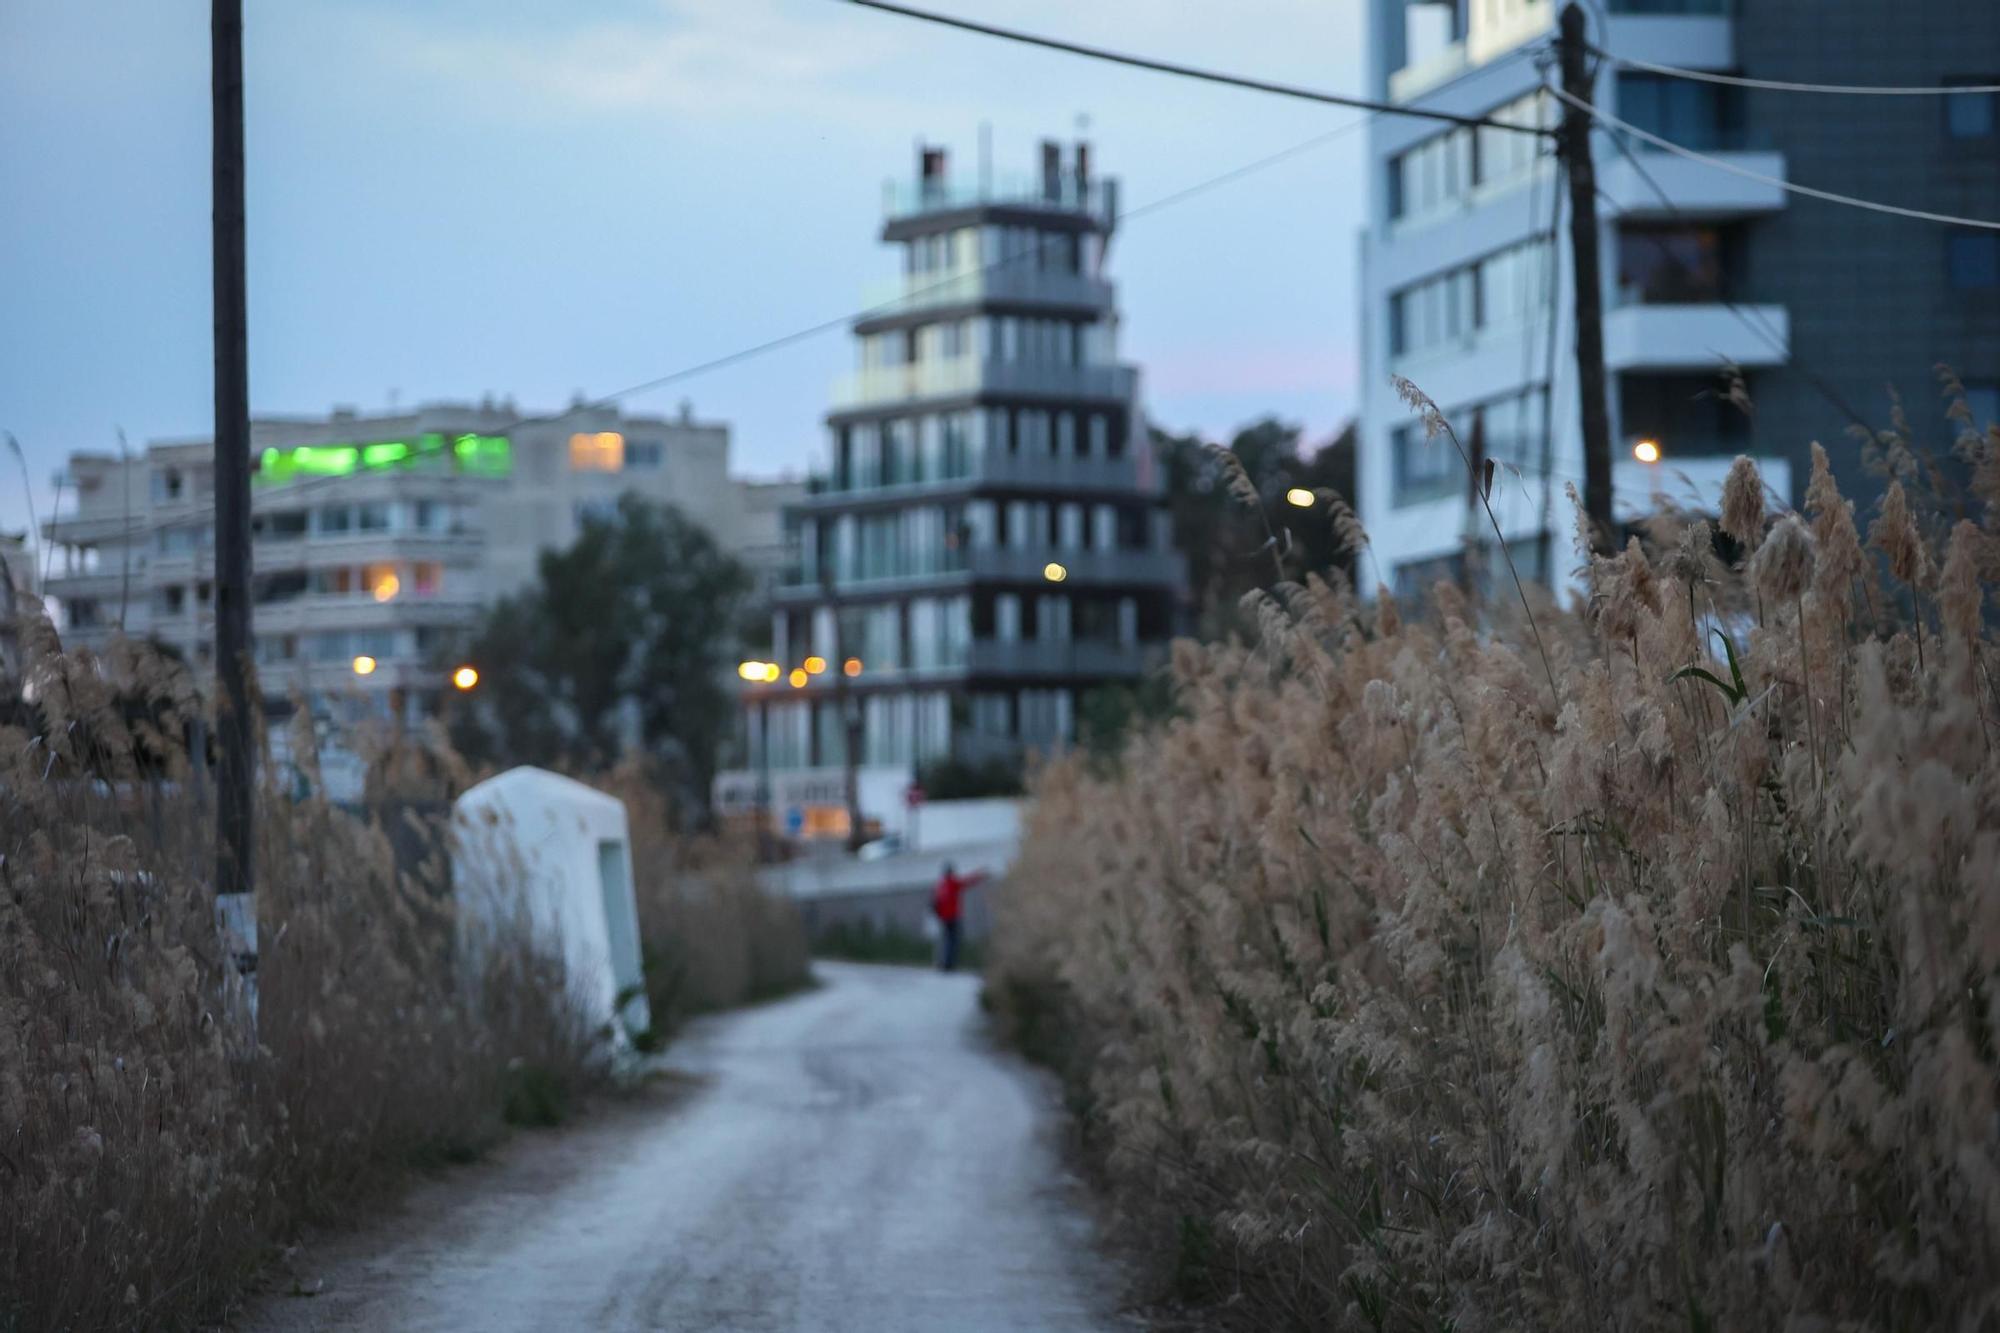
<point>1300,498</point>
<point>465,677</point>
<point>364,665</point>
<point>1054,572</point>
<point>815,666</point>
<point>851,667</point>
<point>387,587</point>
<point>798,678</point>
<point>1647,451</point>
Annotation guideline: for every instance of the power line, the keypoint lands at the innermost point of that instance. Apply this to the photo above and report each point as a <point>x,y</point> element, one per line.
<point>1610,121</point>
<point>1780,86</point>
<point>1187,71</point>
<point>1165,201</point>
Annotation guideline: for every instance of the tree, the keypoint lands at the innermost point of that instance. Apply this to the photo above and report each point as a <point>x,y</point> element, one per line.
<point>622,644</point>
<point>1226,543</point>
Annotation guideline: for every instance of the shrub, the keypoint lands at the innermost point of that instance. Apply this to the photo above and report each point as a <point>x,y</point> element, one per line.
<point>1635,966</point>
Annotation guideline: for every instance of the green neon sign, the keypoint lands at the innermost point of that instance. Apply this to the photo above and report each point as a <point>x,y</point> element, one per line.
<point>479,455</point>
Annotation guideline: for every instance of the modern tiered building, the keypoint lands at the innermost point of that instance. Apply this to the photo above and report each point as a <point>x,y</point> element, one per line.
<point>375,539</point>
<point>987,541</point>
<point>1813,302</point>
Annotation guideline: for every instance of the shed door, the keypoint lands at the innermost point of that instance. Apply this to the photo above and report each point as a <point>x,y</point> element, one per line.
<point>614,875</point>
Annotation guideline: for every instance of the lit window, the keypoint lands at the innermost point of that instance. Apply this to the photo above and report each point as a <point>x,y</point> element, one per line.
<point>603,451</point>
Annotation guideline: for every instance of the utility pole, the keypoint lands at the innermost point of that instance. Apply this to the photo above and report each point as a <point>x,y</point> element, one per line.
<point>235,834</point>
<point>1582,174</point>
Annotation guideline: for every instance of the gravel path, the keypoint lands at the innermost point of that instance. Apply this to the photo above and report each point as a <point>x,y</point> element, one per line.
<point>854,1158</point>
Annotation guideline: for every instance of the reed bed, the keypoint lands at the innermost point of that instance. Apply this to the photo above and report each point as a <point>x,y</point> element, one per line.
<point>1493,965</point>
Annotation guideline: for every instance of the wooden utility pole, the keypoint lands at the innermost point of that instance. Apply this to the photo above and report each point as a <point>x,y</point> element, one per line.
<point>235,841</point>
<point>1589,275</point>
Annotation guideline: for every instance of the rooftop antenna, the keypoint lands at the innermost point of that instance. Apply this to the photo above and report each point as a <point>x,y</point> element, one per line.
<point>985,159</point>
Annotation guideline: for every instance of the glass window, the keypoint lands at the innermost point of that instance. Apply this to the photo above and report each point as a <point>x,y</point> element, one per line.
<point>336,518</point>
<point>597,451</point>
<point>1670,265</point>
<point>1971,115</point>
<point>1423,470</point>
<point>1693,115</point>
<point>372,517</point>
<point>1972,260</point>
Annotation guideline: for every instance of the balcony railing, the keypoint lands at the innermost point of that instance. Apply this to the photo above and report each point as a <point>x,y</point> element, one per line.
<point>1017,566</point>
<point>1064,657</point>
<point>1098,198</point>
<point>1029,470</point>
<point>961,376</point>
<point>1021,282</point>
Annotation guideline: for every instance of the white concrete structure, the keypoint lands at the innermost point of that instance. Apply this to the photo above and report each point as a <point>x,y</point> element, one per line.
<point>532,846</point>
<point>1464,296</point>
<point>378,537</point>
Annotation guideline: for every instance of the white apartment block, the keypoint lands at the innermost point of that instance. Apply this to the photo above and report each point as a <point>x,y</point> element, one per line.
<point>376,539</point>
<point>1464,295</point>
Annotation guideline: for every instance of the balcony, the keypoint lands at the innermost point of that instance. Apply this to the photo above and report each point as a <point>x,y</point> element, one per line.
<point>1018,282</point>
<point>1127,567</point>
<point>1695,337</point>
<point>360,611</point>
<point>1693,190</point>
<point>1032,471</point>
<point>962,377</point>
<point>1069,657</point>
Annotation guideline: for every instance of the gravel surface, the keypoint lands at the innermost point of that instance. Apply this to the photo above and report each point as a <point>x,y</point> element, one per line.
<point>857,1157</point>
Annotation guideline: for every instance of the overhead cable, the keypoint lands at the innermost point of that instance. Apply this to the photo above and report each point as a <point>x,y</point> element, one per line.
<point>1610,121</point>
<point>1782,86</point>
<point>1190,71</point>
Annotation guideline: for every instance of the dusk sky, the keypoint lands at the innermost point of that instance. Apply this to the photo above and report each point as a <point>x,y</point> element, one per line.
<point>465,196</point>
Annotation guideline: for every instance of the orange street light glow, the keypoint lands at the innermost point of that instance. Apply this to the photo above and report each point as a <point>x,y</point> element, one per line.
<point>364,665</point>
<point>815,665</point>
<point>1299,497</point>
<point>1647,451</point>
<point>387,587</point>
<point>465,677</point>
<point>798,678</point>
<point>852,666</point>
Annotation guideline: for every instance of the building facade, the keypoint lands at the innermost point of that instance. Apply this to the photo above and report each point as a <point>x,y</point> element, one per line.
<point>1820,308</point>
<point>986,543</point>
<point>376,539</point>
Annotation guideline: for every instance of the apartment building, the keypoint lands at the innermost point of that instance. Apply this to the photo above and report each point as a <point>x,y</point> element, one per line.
<point>986,543</point>
<point>1821,308</point>
<point>376,539</point>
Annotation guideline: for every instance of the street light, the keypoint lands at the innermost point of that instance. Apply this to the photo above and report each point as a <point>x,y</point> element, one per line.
<point>364,665</point>
<point>851,667</point>
<point>815,665</point>
<point>465,677</point>
<point>1300,498</point>
<point>387,587</point>
<point>1054,572</point>
<point>798,678</point>
<point>1647,451</point>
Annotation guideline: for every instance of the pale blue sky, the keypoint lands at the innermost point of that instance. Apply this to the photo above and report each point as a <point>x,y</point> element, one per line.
<point>457,196</point>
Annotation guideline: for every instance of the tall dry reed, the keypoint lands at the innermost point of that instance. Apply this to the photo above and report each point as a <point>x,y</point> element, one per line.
<point>1642,973</point>
<point>151,1157</point>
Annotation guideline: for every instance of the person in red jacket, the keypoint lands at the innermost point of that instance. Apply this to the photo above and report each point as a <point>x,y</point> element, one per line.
<point>947,904</point>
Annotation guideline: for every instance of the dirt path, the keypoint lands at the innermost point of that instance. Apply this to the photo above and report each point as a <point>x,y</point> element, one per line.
<point>854,1158</point>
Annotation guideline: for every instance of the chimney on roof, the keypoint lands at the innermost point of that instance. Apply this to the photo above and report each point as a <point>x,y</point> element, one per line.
<point>1082,164</point>
<point>1051,169</point>
<point>687,412</point>
<point>343,412</point>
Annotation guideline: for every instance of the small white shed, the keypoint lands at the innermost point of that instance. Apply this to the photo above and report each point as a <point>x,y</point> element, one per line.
<point>538,845</point>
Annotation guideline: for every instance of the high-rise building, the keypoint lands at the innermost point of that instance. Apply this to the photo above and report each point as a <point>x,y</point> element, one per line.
<point>1821,308</point>
<point>986,543</point>
<point>375,539</point>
